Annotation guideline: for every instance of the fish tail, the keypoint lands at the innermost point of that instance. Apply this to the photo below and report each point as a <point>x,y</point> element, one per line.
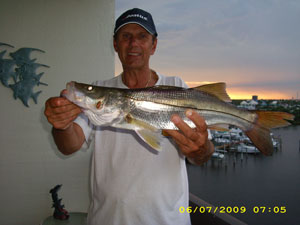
<point>259,134</point>
<point>273,119</point>
<point>261,139</point>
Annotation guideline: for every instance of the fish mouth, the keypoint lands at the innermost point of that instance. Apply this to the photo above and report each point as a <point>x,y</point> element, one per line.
<point>70,94</point>
<point>70,84</point>
<point>73,94</point>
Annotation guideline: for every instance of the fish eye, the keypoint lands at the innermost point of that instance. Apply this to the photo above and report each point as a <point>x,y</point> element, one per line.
<point>90,88</point>
<point>98,105</point>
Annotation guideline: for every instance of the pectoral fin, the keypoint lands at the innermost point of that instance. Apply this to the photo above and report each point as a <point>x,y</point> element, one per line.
<point>146,132</point>
<point>153,139</point>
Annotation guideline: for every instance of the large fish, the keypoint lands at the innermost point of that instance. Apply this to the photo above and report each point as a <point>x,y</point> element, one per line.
<point>148,110</point>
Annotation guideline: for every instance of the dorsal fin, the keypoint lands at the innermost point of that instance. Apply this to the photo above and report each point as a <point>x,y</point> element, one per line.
<point>166,87</point>
<point>215,89</point>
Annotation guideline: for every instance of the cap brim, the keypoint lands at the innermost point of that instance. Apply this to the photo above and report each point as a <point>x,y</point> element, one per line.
<point>147,29</point>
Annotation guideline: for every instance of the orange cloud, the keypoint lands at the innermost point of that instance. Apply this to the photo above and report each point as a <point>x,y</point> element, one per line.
<point>241,93</point>
<point>241,83</point>
<point>244,93</point>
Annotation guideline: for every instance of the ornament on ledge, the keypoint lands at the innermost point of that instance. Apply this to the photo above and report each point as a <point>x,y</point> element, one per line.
<point>59,212</point>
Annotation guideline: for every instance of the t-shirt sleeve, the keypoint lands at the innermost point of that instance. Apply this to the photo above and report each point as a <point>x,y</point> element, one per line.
<point>172,81</point>
<point>87,129</point>
<point>180,82</point>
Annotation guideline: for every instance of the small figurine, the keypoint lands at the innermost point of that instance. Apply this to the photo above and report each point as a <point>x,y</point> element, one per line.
<point>59,212</point>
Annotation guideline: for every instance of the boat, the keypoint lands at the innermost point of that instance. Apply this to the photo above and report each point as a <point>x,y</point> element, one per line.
<point>217,155</point>
<point>244,148</point>
<point>235,140</point>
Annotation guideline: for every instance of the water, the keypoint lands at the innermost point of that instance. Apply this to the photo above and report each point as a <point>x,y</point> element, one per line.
<point>255,181</point>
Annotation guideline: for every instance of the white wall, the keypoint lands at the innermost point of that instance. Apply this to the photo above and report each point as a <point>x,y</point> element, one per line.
<point>77,38</point>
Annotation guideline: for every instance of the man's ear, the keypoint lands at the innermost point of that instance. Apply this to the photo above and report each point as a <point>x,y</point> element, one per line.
<point>115,45</point>
<point>154,46</point>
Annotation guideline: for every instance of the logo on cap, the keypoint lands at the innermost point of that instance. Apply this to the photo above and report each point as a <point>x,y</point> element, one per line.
<point>136,15</point>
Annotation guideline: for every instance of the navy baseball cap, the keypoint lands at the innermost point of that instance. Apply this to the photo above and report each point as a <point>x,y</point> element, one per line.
<point>137,16</point>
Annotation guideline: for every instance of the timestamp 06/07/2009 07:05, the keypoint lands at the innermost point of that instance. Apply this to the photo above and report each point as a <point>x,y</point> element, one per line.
<point>234,209</point>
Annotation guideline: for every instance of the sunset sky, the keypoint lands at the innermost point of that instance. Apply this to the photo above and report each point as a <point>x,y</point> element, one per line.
<point>252,45</point>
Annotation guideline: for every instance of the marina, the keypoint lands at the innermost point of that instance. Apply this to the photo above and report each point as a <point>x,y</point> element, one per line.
<point>235,141</point>
<point>236,177</point>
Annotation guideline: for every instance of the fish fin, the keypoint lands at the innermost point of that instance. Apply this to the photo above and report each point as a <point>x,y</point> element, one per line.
<point>141,124</point>
<point>261,139</point>
<point>259,134</point>
<point>153,139</point>
<point>146,132</point>
<point>165,133</point>
<point>219,127</point>
<point>216,89</point>
<point>272,119</point>
<point>166,87</point>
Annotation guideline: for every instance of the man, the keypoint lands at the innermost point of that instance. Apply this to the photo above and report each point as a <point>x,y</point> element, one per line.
<point>131,183</point>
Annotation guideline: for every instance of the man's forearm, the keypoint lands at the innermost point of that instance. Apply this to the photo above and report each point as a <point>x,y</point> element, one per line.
<point>69,140</point>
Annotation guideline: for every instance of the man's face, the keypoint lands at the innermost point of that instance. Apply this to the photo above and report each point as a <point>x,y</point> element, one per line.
<point>134,46</point>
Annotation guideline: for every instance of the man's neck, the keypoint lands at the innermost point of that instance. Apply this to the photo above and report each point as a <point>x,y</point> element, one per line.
<point>139,78</point>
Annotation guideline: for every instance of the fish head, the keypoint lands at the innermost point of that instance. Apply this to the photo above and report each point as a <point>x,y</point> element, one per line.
<point>86,96</point>
<point>98,103</point>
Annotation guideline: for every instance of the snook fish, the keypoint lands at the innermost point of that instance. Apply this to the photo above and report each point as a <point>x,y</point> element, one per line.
<point>148,110</point>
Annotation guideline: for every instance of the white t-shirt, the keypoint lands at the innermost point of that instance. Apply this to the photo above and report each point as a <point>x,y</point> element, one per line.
<point>132,184</point>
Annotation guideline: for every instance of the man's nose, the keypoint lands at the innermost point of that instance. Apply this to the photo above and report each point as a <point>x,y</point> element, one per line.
<point>133,41</point>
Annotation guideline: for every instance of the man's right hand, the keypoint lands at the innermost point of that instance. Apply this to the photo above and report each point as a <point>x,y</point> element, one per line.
<point>60,112</point>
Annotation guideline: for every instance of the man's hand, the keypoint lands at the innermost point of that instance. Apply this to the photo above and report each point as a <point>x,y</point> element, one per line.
<point>193,143</point>
<point>60,112</point>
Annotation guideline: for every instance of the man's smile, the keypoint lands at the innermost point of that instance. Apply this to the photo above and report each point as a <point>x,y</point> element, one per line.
<point>134,54</point>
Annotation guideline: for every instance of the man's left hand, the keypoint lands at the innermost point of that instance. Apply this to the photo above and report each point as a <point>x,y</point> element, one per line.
<point>193,143</point>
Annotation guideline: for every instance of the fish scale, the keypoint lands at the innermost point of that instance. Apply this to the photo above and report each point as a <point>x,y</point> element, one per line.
<point>189,98</point>
<point>158,115</point>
